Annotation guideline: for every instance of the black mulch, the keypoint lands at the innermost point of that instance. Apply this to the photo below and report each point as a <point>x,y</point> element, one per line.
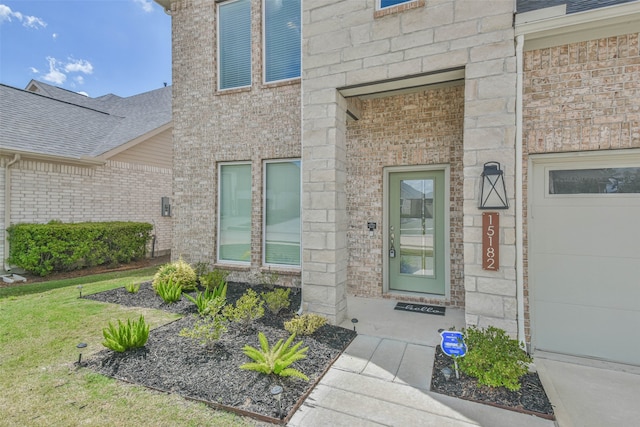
<point>180,365</point>
<point>530,399</point>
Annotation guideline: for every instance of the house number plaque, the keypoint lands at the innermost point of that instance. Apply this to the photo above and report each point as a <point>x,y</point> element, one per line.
<point>490,241</point>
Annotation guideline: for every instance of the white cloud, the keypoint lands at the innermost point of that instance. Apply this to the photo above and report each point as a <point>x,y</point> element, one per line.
<point>146,5</point>
<point>83,93</point>
<point>54,75</point>
<point>54,35</point>
<point>79,80</point>
<point>79,66</point>
<point>6,14</point>
<point>34,70</point>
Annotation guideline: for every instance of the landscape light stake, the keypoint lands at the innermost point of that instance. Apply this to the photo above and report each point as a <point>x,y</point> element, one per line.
<point>447,373</point>
<point>80,289</point>
<point>80,347</point>
<point>276,392</point>
<point>354,321</point>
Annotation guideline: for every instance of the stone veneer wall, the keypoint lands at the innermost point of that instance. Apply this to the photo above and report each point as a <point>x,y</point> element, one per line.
<point>580,97</point>
<point>251,124</point>
<point>344,44</point>
<point>420,128</point>
<point>41,192</point>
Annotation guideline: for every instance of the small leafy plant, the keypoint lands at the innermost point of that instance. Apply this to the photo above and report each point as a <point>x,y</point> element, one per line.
<point>169,290</point>
<point>494,358</point>
<point>277,359</point>
<point>214,279</point>
<point>305,324</point>
<point>276,300</point>
<point>248,307</point>
<point>126,336</point>
<point>209,328</point>
<point>180,272</point>
<point>132,287</point>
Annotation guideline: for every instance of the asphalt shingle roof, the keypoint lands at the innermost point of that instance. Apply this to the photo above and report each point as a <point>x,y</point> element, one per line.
<point>63,123</point>
<point>573,6</point>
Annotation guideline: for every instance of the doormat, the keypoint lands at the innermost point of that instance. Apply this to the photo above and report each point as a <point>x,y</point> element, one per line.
<point>420,308</point>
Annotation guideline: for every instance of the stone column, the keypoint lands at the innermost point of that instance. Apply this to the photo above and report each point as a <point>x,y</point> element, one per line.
<point>324,209</point>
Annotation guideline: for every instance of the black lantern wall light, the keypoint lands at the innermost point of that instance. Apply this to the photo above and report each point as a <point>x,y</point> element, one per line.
<point>493,193</point>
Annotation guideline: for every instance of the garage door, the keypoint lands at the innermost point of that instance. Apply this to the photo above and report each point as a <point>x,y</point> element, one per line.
<point>584,256</point>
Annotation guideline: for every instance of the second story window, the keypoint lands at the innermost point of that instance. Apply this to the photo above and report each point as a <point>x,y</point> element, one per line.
<point>382,4</point>
<point>282,39</point>
<point>234,44</point>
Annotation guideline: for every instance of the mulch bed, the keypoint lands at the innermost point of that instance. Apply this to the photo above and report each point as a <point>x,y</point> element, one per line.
<point>530,399</point>
<point>181,365</point>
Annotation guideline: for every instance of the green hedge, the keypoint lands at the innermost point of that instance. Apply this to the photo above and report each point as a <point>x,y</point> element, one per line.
<point>43,248</point>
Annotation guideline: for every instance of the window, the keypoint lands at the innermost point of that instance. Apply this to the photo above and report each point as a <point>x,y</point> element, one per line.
<point>282,39</point>
<point>234,207</point>
<point>383,4</point>
<point>234,44</point>
<point>282,213</point>
<point>594,181</point>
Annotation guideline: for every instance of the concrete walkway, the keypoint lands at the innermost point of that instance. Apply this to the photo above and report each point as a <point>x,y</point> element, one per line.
<point>383,379</point>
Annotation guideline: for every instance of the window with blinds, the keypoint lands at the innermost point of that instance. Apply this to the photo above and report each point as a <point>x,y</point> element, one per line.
<point>234,44</point>
<point>282,40</point>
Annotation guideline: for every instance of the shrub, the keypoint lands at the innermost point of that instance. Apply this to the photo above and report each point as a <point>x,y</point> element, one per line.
<point>43,248</point>
<point>277,300</point>
<point>493,358</point>
<point>306,324</point>
<point>132,287</point>
<point>169,290</point>
<point>126,336</point>
<point>248,308</point>
<point>214,279</point>
<point>180,272</point>
<point>209,328</point>
<point>277,359</point>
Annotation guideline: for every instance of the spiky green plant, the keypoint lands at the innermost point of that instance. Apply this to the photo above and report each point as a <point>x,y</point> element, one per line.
<point>169,290</point>
<point>126,336</point>
<point>203,300</point>
<point>277,359</point>
<point>132,287</point>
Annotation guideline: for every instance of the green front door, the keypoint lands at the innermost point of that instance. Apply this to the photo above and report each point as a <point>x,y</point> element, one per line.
<point>416,232</point>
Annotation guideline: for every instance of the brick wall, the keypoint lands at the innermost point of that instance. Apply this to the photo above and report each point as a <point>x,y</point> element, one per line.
<point>423,128</point>
<point>580,97</point>
<point>41,192</point>
<point>252,124</point>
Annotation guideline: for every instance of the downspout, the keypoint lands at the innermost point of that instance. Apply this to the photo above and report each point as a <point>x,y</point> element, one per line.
<point>519,192</point>
<point>7,208</point>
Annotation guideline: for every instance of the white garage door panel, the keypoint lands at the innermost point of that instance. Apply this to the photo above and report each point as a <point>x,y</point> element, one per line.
<point>588,281</point>
<point>589,331</point>
<point>594,230</point>
<point>584,264</point>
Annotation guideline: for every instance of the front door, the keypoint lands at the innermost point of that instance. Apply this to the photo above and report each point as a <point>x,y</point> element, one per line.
<point>416,232</point>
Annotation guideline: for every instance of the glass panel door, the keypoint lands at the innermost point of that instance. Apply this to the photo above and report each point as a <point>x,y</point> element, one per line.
<point>416,232</point>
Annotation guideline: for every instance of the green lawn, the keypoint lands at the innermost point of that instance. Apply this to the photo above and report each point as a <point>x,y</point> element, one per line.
<point>40,326</point>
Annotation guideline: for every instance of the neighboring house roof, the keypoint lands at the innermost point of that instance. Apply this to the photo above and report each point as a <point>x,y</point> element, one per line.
<point>573,6</point>
<point>53,121</point>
